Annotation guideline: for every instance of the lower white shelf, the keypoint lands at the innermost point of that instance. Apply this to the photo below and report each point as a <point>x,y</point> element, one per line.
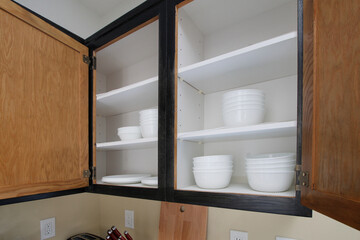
<point>140,185</point>
<point>263,130</point>
<point>242,188</point>
<point>130,144</point>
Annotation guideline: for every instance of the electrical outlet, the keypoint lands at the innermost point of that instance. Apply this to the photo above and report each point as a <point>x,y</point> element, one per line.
<point>47,228</point>
<point>283,238</point>
<point>237,235</point>
<point>129,218</point>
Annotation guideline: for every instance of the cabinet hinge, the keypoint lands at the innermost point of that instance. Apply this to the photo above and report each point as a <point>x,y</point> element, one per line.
<point>303,178</point>
<point>93,173</point>
<point>90,61</point>
<point>86,174</point>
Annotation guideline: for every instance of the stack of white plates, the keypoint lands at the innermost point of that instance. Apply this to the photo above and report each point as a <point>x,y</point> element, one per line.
<point>243,107</point>
<point>213,171</point>
<point>149,122</point>
<point>272,172</point>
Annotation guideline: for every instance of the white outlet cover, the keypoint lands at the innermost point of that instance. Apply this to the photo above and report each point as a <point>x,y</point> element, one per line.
<point>284,238</point>
<point>237,235</point>
<point>129,219</point>
<point>47,228</point>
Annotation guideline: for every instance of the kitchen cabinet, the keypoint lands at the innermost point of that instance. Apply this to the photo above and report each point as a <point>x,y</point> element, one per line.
<point>186,54</point>
<point>44,107</point>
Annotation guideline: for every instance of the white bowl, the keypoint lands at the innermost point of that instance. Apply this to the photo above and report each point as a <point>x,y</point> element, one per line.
<point>241,92</point>
<point>144,122</point>
<point>212,179</point>
<point>243,98</point>
<point>270,169</point>
<point>149,112</point>
<point>212,168</point>
<point>129,133</point>
<point>149,130</point>
<point>155,117</point>
<point>243,103</point>
<point>270,165</point>
<point>213,164</point>
<point>241,108</point>
<point>270,156</point>
<point>270,181</point>
<point>243,117</point>
<point>213,158</point>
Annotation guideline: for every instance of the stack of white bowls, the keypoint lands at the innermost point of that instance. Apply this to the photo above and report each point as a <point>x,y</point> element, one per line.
<point>243,107</point>
<point>213,171</point>
<point>272,172</point>
<point>129,133</point>
<point>149,122</point>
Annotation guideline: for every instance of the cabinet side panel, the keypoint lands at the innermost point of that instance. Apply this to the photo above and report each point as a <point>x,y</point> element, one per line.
<point>44,111</point>
<point>331,119</point>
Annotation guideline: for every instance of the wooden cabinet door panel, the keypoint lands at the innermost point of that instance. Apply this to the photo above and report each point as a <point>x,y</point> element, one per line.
<point>43,106</point>
<point>331,115</point>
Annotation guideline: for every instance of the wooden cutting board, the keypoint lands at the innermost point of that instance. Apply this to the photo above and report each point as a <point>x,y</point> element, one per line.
<point>182,222</point>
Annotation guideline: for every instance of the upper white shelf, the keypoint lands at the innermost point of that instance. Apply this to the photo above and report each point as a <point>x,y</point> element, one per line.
<point>264,130</point>
<point>130,144</point>
<point>131,98</point>
<point>267,60</point>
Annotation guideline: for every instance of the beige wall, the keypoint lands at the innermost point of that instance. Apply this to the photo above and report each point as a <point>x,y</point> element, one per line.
<point>97,213</point>
<point>73,214</point>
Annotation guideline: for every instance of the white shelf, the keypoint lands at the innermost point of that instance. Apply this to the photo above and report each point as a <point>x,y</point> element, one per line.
<point>127,185</point>
<point>264,130</point>
<point>131,144</point>
<point>131,98</point>
<point>270,59</point>
<point>242,188</point>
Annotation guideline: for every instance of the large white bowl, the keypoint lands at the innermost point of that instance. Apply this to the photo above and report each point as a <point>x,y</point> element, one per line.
<point>270,181</point>
<point>212,179</point>
<point>213,164</point>
<point>243,117</point>
<point>145,122</point>
<point>270,169</point>
<point>149,130</point>
<point>212,168</point>
<point>270,165</point>
<point>213,158</point>
<point>149,112</point>
<point>129,133</point>
<point>270,156</point>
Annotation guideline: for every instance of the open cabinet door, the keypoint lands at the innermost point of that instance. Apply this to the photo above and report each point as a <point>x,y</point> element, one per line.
<point>331,115</point>
<point>43,106</point>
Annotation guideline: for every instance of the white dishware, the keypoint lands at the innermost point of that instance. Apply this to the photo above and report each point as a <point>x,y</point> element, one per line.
<point>214,158</point>
<point>129,133</point>
<point>213,164</point>
<point>150,181</point>
<point>270,165</point>
<point>149,130</point>
<point>270,169</point>
<point>212,179</point>
<point>270,181</point>
<point>211,168</point>
<point>124,178</point>
<point>243,117</point>
<point>269,156</point>
<point>241,92</point>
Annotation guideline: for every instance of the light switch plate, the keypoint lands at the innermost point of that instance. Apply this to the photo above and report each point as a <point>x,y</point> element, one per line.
<point>129,219</point>
<point>47,228</point>
<point>283,238</point>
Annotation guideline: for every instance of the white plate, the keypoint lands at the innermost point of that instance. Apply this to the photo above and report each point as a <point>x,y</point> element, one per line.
<point>125,178</point>
<point>150,181</point>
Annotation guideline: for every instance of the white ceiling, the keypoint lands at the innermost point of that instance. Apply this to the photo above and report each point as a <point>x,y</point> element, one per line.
<point>102,7</point>
<point>130,50</point>
<point>212,15</point>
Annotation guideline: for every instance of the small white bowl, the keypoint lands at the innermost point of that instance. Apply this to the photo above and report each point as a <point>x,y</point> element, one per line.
<point>270,165</point>
<point>270,156</point>
<point>144,122</point>
<point>212,179</point>
<point>270,181</point>
<point>129,133</point>
<point>214,158</point>
<point>213,164</point>
<point>270,162</point>
<point>209,168</point>
<point>149,112</point>
<point>149,130</point>
<point>238,118</point>
<point>241,92</point>
<point>270,169</point>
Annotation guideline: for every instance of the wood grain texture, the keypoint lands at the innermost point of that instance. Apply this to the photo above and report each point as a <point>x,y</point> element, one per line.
<point>44,109</point>
<point>331,116</point>
<point>188,225</point>
<point>41,25</point>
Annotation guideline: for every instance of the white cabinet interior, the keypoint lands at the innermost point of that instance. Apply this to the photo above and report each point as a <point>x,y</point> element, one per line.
<point>126,83</point>
<point>227,45</point>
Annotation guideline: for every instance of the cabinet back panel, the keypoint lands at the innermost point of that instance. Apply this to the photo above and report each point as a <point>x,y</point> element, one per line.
<point>44,111</point>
